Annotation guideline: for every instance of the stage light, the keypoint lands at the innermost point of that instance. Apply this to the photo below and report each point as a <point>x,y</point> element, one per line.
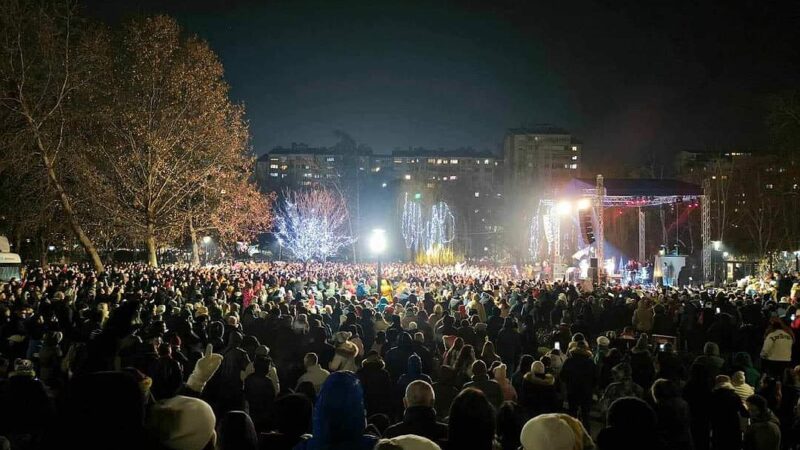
<point>717,245</point>
<point>725,254</point>
<point>563,207</point>
<point>610,266</point>
<point>584,203</point>
<point>206,239</point>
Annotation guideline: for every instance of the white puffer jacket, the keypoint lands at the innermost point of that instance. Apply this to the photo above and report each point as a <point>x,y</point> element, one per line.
<point>777,346</point>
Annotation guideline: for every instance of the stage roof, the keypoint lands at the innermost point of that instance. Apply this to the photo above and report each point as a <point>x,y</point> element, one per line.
<point>633,187</point>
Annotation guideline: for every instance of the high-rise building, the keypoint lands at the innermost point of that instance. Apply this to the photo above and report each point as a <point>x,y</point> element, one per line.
<point>538,160</point>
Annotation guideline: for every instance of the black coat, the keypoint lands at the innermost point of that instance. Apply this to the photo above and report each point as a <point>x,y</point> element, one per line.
<point>724,411</point>
<point>538,395</point>
<point>674,424</point>
<point>579,373</point>
<point>419,420</point>
<point>378,389</point>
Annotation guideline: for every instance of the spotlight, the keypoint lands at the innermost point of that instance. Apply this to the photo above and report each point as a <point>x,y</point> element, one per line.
<point>584,203</point>
<point>563,207</point>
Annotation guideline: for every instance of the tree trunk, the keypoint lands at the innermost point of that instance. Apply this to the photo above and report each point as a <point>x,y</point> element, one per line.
<point>42,250</point>
<point>69,213</point>
<point>152,255</point>
<point>195,247</point>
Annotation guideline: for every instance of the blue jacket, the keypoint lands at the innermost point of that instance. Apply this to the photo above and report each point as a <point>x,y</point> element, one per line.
<point>339,418</point>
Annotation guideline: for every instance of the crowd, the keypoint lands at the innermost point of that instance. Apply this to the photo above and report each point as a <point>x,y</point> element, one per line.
<point>287,356</point>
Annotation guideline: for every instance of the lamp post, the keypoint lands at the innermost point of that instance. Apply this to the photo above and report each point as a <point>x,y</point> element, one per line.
<point>377,245</point>
<point>206,241</point>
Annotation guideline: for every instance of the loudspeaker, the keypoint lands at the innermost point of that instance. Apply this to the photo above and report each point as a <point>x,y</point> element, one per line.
<point>593,263</point>
<point>587,228</point>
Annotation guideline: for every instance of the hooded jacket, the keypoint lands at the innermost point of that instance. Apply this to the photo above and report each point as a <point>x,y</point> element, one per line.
<point>339,419</point>
<point>538,394</point>
<point>711,359</point>
<point>344,357</point>
<point>377,386</point>
<point>763,433</point>
<point>413,373</point>
<point>777,346</point>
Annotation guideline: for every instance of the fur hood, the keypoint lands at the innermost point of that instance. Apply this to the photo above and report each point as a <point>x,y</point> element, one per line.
<point>547,380</point>
<point>347,349</point>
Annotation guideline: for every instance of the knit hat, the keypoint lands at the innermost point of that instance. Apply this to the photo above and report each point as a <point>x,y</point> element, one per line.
<point>183,423</point>
<point>407,442</point>
<point>603,341</point>
<point>200,310</point>
<point>537,368</point>
<point>23,367</point>
<point>547,432</point>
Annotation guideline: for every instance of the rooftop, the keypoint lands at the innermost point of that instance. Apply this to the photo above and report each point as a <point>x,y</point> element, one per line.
<point>541,128</point>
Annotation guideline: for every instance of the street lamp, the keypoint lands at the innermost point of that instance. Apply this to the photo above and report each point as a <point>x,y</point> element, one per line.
<point>377,245</point>
<point>206,241</point>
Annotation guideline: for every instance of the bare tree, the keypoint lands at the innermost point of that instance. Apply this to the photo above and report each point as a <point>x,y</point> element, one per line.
<point>47,66</point>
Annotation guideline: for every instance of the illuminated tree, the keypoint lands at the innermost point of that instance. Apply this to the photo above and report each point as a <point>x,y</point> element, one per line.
<point>48,66</point>
<point>170,132</point>
<point>313,224</point>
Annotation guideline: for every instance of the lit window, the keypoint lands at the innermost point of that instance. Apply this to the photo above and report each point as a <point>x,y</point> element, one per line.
<point>273,166</point>
<point>430,185</point>
<point>377,169</point>
<point>407,177</point>
<point>273,174</point>
<point>330,159</point>
<point>438,161</point>
<point>573,166</point>
<point>770,186</point>
<point>383,184</point>
<point>453,161</point>
<point>273,159</point>
<point>486,161</point>
<point>284,167</point>
<point>795,186</point>
<point>574,157</point>
<point>574,148</point>
<point>431,161</point>
<point>477,194</point>
<point>453,177</point>
<point>713,177</point>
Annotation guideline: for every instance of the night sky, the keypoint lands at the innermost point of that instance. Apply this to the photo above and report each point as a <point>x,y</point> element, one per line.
<point>629,78</point>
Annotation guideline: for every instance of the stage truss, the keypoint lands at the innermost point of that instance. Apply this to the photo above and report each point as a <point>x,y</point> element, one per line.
<point>547,213</point>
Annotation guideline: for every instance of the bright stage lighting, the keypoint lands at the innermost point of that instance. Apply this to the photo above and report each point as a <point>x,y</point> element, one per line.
<point>717,245</point>
<point>563,207</point>
<point>377,241</point>
<point>610,266</point>
<point>584,203</point>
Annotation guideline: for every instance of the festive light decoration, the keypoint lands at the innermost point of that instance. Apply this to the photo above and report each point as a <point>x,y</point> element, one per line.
<point>311,224</point>
<point>436,232</point>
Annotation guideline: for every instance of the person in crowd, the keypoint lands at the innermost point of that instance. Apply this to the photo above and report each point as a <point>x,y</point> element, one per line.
<point>237,432</point>
<point>711,360</point>
<point>499,375</point>
<point>292,423</point>
<point>488,356</point>
<point>725,413</point>
<point>539,394</point>
<point>314,373</point>
<point>672,414</point>
<point>743,362</point>
<point>445,391</point>
<point>376,384</point>
<point>413,373</point>
<point>472,422</point>
<point>579,374</point>
<point>554,432</point>
<point>345,354</point>
<point>631,424</point>
<point>764,431</point>
<point>419,417</point>
<point>776,353</point>
<point>697,393</point>
<point>260,393</point>
<point>339,418</point>
<point>740,386</point>
<point>623,386</point>
<point>407,442</point>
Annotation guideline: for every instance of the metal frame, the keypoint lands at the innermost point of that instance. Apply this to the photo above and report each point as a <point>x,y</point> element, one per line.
<point>705,207</point>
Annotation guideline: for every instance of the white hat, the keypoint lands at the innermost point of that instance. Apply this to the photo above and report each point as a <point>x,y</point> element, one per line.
<point>183,423</point>
<point>547,432</point>
<point>603,341</point>
<point>408,442</point>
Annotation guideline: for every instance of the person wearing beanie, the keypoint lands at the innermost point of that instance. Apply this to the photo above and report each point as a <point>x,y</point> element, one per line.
<point>538,394</point>
<point>579,374</point>
<point>407,442</point>
<point>742,389</point>
<point>26,408</point>
<point>419,417</point>
<point>183,423</point>
<point>725,412</point>
<point>554,432</point>
<point>764,432</point>
<point>501,377</point>
<point>413,373</point>
<point>481,382</point>
<point>339,420</point>
<point>711,359</point>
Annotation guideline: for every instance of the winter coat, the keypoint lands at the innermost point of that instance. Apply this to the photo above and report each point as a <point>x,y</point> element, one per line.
<point>643,318</point>
<point>339,417</point>
<point>763,433</point>
<point>377,386</point>
<point>777,346</point>
<point>413,373</point>
<point>490,389</point>
<point>421,421</point>
<point>724,413</point>
<point>344,357</point>
<point>538,395</point>
<point>619,389</point>
<point>397,357</point>
<point>316,375</point>
<point>711,359</point>
<point>260,393</point>
<point>579,374</point>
